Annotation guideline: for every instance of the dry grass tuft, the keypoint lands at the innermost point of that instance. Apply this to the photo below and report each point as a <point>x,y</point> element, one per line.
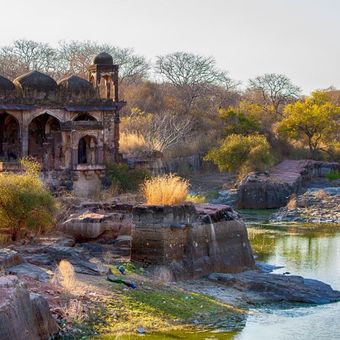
<point>165,190</point>
<point>65,275</point>
<point>321,194</point>
<point>75,310</point>
<point>292,203</point>
<point>132,143</point>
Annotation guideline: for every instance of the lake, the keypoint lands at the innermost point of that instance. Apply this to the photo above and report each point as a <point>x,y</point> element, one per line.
<point>309,251</point>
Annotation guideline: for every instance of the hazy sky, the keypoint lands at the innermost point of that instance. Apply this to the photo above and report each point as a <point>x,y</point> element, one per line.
<point>300,38</point>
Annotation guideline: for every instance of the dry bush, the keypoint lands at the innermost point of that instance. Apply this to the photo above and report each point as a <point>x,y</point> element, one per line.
<point>132,143</point>
<point>165,190</point>
<point>26,206</point>
<point>65,275</point>
<point>321,194</point>
<point>75,311</point>
<point>292,203</point>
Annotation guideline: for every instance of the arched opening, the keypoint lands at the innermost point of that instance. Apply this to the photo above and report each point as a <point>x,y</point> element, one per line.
<point>85,117</point>
<point>87,150</point>
<point>10,148</point>
<point>45,141</point>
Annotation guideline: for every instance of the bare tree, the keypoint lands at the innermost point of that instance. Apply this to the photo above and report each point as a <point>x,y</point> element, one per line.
<point>192,74</point>
<point>31,55</point>
<point>10,66</point>
<point>168,129</point>
<point>160,130</point>
<point>75,56</point>
<point>275,90</point>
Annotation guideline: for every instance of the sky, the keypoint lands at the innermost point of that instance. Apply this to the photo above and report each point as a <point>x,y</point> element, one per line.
<point>299,38</point>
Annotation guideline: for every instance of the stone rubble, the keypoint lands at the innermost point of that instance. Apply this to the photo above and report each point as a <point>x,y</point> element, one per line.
<point>314,206</point>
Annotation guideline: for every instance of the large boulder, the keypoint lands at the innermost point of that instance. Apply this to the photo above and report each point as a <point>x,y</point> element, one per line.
<point>269,190</point>
<point>23,316</point>
<point>93,225</point>
<point>261,287</point>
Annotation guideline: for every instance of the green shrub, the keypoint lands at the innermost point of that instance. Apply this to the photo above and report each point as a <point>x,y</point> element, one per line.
<point>196,198</point>
<point>26,206</point>
<point>119,175</point>
<point>242,154</point>
<point>333,175</point>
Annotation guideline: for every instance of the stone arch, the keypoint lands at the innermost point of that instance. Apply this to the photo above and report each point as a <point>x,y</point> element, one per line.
<point>45,140</point>
<point>57,116</point>
<point>10,147</point>
<point>84,117</point>
<point>88,150</point>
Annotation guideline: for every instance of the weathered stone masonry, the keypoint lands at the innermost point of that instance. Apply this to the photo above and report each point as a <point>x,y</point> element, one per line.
<point>71,126</point>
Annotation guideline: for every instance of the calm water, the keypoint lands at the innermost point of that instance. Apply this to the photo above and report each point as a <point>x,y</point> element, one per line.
<point>313,252</point>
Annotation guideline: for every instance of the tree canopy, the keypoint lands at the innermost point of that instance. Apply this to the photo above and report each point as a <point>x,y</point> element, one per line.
<point>241,154</point>
<point>314,120</point>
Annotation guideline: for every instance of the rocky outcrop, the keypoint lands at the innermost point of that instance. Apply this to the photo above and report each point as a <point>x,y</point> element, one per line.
<point>102,223</point>
<point>272,189</point>
<point>314,206</point>
<point>190,241</point>
<point>9,258</point>
<point>23,316</point>
<point>91,225</point>
<point>260,287</point>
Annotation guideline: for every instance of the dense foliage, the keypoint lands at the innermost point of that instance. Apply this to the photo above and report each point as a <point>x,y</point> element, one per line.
<point>123,178</point>
<point>26,206</point>
<point>313,121</point>
<point>241,154</point>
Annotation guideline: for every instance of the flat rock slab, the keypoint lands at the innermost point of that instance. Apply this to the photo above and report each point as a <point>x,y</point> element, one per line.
<point>269,288</point>
<point>30,270</point>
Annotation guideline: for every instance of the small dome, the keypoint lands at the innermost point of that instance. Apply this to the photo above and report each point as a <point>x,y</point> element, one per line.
<point>103,59</point>
<point>6,85</point>
<point>76,89</point>
<point>38,81</point>
<point>75,84</point>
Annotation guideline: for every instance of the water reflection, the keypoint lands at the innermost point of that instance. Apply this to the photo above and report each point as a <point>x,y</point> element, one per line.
<point>308,250</point>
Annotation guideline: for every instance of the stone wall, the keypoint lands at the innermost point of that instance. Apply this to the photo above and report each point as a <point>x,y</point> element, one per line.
<point>190,241</point>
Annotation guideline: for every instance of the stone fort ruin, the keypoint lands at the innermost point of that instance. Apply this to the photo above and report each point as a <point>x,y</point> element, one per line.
<point>71,126</point>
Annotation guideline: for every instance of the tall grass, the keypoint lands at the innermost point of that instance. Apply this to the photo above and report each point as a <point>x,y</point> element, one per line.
<point>165,190</point>
<point>65,275</point>
<point>132,143</point>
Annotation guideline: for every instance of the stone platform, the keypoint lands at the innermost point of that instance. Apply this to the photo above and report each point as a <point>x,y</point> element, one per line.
<point>189,240</point>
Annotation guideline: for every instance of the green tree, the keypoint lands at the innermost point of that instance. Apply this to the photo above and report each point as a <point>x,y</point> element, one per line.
<point>242,154</point>
<point>238,121</point>
<point>313,121</point>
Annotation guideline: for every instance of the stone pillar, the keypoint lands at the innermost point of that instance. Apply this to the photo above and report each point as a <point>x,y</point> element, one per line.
<point>100,151</point>
<point>115,82</point>
<point>74,157</point>
<point>24,141</point>
<point>116,136</point>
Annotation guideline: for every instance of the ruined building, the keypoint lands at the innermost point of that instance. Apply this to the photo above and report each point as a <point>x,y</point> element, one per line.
<point>71,126</point>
